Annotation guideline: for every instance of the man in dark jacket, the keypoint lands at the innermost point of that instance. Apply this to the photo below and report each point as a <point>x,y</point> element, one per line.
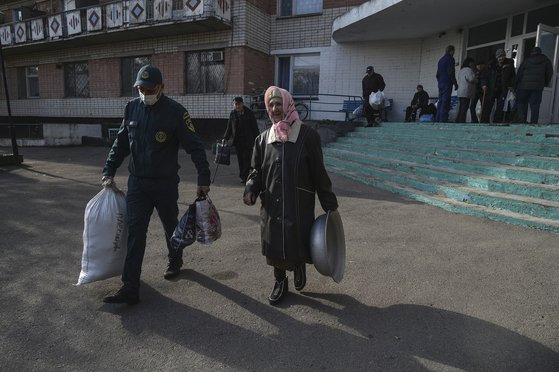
<point>420,101</point>
<point>242,126</point>
<point>153,128</point>
<point>533,75</point>
<point>372,83</point>
<point>446,78</point>
<point>497,80</point>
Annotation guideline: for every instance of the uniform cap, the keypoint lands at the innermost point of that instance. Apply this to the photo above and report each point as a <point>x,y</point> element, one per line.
<point>148,77</point>
<point>369,68</point>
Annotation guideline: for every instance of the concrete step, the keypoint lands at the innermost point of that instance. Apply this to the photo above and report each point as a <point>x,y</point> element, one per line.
<point>450,204</point>
<point>533,175</point>
<point>486,183</point>
<point>506,158</point>
<point>481,143</point>
<point>435,127</point>
<point>502,201</point>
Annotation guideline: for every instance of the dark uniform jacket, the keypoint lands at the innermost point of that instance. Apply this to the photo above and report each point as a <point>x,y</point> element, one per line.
<point>372,84</point>
<point>242,127</point>
<point>287,176</point>
<point>446,71</point>
<point>534,73</point>
<point>151,135</point>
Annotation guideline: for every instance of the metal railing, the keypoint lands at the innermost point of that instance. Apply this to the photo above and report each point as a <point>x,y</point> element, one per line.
<point>324,103</point>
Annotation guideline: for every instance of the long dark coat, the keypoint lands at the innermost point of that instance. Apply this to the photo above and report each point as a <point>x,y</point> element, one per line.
<point>286,176</point>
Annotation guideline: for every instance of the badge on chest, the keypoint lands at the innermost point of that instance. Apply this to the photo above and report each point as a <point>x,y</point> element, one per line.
<point>160,136</point>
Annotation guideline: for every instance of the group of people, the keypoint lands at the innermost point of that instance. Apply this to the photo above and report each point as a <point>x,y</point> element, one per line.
<point>499,87</point>
<point>283,166</point>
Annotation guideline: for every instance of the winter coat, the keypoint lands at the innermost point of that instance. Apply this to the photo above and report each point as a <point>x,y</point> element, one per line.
<point>466,83</point>
<point>372,84</point>
<point>243,128</point>
<point>420,99</point>
<point>446,74</point>
<point>498,78</point>
<point>286,176</point>
<point>534,73</point>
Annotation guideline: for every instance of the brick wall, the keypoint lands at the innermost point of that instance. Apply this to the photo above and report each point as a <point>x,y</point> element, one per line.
<point>268,6</point>
<point>173,69</point>
<point>51,81</point>
<point>248,71</point>
<point>104,77</point>
<point>11,78</point>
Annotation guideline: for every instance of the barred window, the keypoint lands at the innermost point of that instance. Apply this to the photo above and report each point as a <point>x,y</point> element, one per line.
<point>129,68</point>
<point>205,72</point>
<point>28,82</point>
<point>76,80</point>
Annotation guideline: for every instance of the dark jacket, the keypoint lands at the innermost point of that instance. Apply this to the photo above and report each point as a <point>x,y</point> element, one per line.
<point>242,127</point>
<point>372,84</point>
<point>421,99</point>
<point>446,74</point>
<point>151,135</point>
<point>287,176</point>
<point>498,78</point>
<point>534,73</point>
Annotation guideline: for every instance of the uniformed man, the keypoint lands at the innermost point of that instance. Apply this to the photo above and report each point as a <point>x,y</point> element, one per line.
<point>153,128</point>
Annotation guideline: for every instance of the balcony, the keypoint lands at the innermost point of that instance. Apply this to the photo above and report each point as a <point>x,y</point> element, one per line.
<point>114,22</point>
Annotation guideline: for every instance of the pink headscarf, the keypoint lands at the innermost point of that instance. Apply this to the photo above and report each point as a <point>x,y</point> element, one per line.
<point>290,115</point>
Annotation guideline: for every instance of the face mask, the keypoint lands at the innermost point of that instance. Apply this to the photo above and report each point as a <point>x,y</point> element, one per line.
<point>149,100</point>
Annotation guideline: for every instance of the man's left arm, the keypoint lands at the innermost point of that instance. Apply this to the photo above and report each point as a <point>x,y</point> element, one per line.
<point>382,85</point>
<point>192,144</point>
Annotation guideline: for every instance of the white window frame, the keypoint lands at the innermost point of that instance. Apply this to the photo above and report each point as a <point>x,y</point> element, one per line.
<point>291,67</point>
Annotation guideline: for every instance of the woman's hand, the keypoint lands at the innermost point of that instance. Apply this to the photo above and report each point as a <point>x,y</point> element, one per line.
<point>249,198</point>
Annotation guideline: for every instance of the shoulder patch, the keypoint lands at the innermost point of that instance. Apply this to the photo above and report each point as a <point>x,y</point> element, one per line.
<point>188,121</point>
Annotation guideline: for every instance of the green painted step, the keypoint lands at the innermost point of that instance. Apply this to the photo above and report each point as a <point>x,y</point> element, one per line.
<point>534,129</point>
<point>520,188</point>
<point>518,204</point>
<point>542,176</point>
<point>481,144</point>
<point>452,204</point>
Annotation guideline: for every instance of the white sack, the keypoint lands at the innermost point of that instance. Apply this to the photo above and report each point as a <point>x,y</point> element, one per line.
<point>104,236</point>
<point>376,100</point>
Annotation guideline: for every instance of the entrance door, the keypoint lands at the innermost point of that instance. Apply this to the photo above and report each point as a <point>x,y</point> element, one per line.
<point>548,40</point>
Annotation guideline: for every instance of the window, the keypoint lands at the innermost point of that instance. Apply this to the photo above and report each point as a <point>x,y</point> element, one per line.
<point>28,82</point>
<point>485,54</point>
<point>517,27</point>
<point>299,74</point>
<point>288,8</point>
<point>548,16</point>
<point>129,68</point>
<point>205,72</point>
<point>76,80</point>
<point>487,33</point>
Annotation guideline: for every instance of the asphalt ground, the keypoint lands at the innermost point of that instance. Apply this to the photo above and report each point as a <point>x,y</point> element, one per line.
<point>424,289</point>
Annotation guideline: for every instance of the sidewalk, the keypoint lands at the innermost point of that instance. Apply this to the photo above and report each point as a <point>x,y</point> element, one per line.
<point>424,289</point>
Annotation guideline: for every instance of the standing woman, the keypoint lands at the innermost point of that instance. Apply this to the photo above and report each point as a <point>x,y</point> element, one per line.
<point>288,170</point>
<point>466,88</point>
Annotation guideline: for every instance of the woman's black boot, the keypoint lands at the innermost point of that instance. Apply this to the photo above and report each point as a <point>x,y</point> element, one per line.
<point>280,286</point>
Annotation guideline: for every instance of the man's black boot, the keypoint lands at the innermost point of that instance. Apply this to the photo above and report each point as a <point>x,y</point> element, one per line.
<point>123,296</point>
<point>173,269</point>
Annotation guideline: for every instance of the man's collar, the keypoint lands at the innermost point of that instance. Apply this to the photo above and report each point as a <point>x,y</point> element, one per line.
<point>292,134</point>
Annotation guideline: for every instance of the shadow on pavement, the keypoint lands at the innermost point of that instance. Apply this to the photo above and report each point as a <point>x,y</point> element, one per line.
<point>399,337</point>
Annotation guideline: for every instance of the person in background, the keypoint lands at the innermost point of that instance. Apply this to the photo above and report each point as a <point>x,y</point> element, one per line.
<point>446,79</point>
<point>371,83</point>
<point>153,128</point>
<point>533,75</point>
<point>288,171</point>
<point>479,96</point>
<point>466,88</point>
<point>420,101</point>
<point>242,126</point>
<point>498,80</point>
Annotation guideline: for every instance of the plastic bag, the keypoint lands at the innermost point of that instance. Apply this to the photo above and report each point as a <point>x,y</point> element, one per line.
<point>222,154</point>
<point>185,232</point>
<point>509,100</point>
<point>104,236</point>
<point>358,112</point>
<point>376,100</point>
<point>208,224</point>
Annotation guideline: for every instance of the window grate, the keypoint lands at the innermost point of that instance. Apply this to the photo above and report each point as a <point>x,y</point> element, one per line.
<point>205,72</point>
<point>76,80</point>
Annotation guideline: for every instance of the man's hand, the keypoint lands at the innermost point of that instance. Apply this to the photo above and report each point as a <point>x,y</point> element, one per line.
<point>202,191</point>
<point>107,181</point>
<point>249,198</point>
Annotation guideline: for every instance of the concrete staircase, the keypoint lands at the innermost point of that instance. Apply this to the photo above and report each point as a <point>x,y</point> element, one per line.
<point>506,173</point>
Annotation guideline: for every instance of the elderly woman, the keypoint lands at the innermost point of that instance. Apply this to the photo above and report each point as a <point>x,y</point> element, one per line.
<point>288,170</point>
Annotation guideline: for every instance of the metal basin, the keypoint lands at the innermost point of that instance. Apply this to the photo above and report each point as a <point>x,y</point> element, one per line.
<point>328,245</point>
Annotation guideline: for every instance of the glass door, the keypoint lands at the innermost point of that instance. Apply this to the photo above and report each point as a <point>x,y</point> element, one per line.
<point>548,40</point>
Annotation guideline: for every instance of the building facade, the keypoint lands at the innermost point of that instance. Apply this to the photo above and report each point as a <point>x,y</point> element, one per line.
<point>71,63</point>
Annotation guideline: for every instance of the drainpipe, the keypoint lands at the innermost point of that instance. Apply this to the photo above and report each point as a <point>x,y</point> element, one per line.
<point>10,119</point>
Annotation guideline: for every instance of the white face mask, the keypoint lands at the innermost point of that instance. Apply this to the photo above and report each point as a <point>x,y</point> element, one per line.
<point>149,100</point>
